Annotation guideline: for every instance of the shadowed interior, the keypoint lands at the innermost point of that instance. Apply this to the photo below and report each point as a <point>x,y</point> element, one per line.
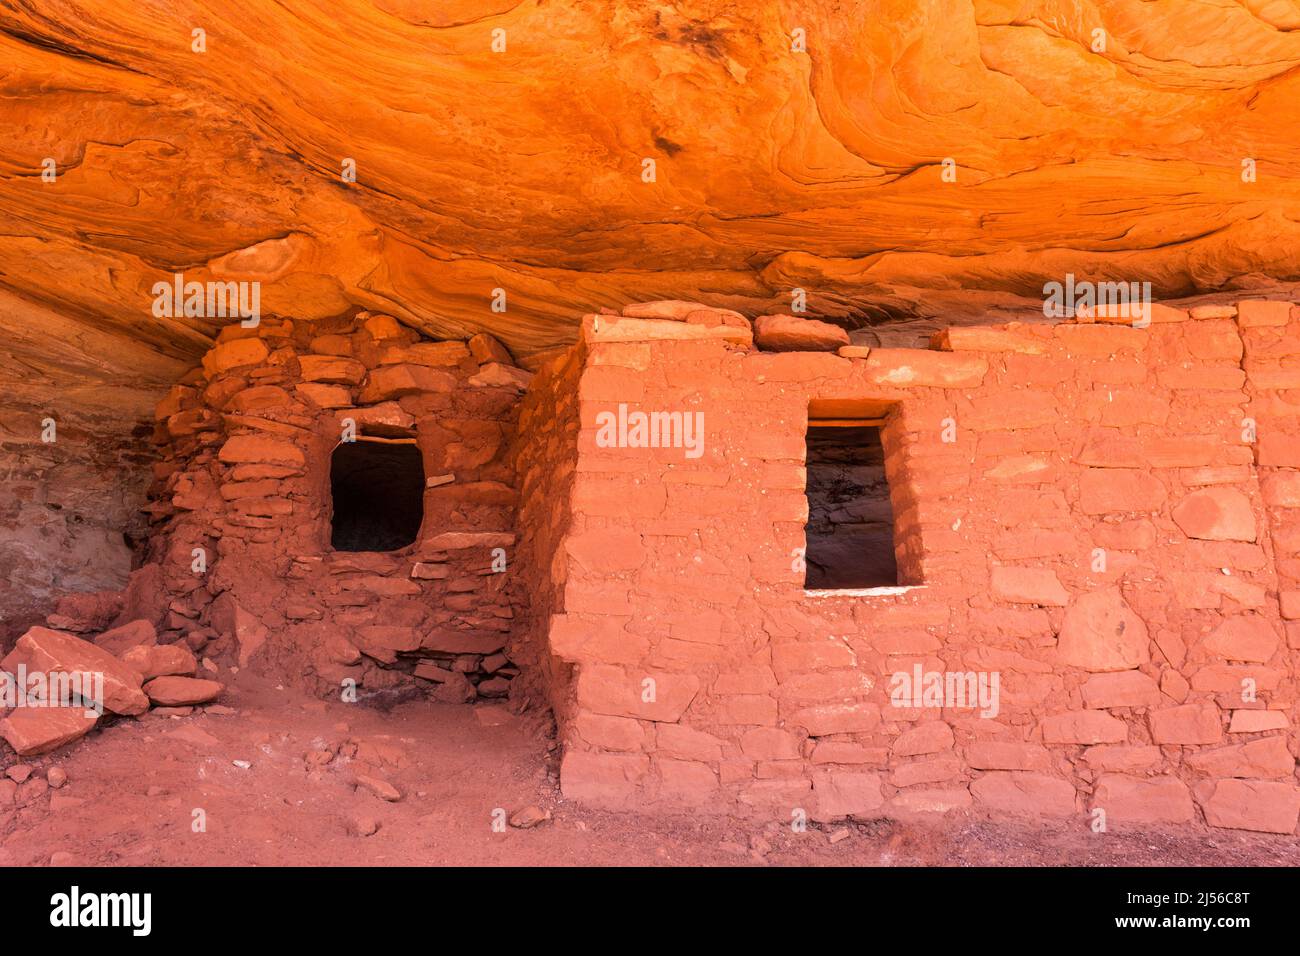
<point>378,494</point>
<point>850,519</point>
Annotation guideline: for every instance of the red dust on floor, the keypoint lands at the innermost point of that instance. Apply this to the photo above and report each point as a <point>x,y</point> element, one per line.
<point>277,778</point>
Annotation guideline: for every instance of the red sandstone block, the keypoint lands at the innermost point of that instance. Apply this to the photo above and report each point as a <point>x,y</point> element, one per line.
<point>1124,408</point>
<point>1213,340</point>
<point>930,801</point>
<point>605,329</point>
<point>1107,448</point>
<point>635,692</point>
<point>1119,490</point>
<point>839,794</point>
<point>1017,623</point>
<point>1133,800</point>
<point>606,550</point>
<point>1198,723</point>
<point>602,780</point>
<point>687,743</point>
<point>1011,338</point>
<point>1202,312</point>
<point>1216,514</point>
<point>770,743</point>
<point>235,354</point>
<point>788,333</point>
<point>782,796</point>
<point>1197,377</point>
<point>1024,794</point>
<point>755,709</point>
<point>828,685</point>
<point>735,773</point>
<point>1037,370</point>
<point>1017,585</point>
<point>1188,451</point>
<point>788,658</point>
<point>917,367</point>
<point>1278,449</point>
<point>1024,469</point>
<point>1254,313</point>
<point>331,369</point>
<point>932,613</point>
<point>1083,727</point>
<point>623,497</point>
<point>636,356</point>
<point>56,652</point>
<point>1099,340</point>
<point>932,737</point>
<point>1244,637</point>
<point>596,639</point>
<point>937,770</point>
<point>839,752</point>
<point>1100,632</point>
<point>258,449</point>
<point>37,730</point>
<point>1266,757</point>
<point>178,398</point>
<point>611,383</point>
<point>1006,755</point>
<point>1008,410</point>
<point>686,781</point>
<point>757,680</point>
<point>396,381</point>
<point>1220,475</point>
<point>1289,601</point>
<point>1121,759</point>
<point>1121,689</point>
<point>793,366</point>
<point>1257,721</point>
<point>1137,535</point>
<point>1281,489</point>
<point>1236,679</point>
<point>837,718</point>
<point>784,476</point>
<point>433,353</point>
<point>610,733</point>
<point>1273,378</point>
<point>1113,371</point>
<point>902,642</point>
<point>686,655</point>
<point>1204,590</point>
<point>1250,805</point>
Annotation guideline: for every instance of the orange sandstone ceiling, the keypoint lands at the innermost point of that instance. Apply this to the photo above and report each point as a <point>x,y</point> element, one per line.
<point>1106,138</point>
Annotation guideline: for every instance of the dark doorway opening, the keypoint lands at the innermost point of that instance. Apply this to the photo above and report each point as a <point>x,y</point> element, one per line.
<point>850,533</point>
<point>378,494</point>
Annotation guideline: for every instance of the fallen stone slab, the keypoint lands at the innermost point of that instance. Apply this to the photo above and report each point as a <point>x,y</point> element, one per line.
<point>182,691</point>
<point>162,660</point>
<point>54,652</point>
<point>38,730</point>
<point>121,639</point>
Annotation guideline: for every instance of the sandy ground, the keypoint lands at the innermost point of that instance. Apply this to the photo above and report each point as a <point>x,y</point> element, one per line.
<point>134,789</point>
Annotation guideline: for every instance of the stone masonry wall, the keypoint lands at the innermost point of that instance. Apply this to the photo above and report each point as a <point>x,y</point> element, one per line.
<point>545,461</point>
<point>1104,519</point>
<point>244,489</point>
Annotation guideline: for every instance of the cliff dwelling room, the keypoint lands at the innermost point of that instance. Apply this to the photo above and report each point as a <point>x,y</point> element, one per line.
<point>854,441</point>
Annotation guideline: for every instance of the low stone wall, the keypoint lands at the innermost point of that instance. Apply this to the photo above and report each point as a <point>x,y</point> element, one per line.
<point>1097,527</point>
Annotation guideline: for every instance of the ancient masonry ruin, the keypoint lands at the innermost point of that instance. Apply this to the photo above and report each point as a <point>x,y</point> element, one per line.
<point>1039,571</point>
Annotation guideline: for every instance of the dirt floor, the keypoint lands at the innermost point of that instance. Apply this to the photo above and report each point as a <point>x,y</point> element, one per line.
<point>274,781</point>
